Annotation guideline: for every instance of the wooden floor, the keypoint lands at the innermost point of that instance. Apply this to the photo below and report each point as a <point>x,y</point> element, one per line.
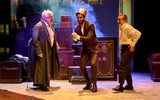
<point>144,89</point>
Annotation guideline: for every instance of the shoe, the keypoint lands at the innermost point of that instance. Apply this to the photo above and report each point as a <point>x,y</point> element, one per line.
<point>118,88</point>
<point>87,87</point>
<point>128,87</point>
<point>44,88</point>
<point>94,88</point>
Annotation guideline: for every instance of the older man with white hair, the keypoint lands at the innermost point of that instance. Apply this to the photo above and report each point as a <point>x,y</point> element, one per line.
<point>45,53</point>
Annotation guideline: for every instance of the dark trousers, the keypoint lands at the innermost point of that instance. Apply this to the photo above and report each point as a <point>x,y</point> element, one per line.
<point>85,56</point>
<point>124,67</point>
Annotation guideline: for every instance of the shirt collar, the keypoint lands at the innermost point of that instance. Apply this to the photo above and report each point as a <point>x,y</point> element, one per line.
<point>121,27</point>
<point>45,23</point>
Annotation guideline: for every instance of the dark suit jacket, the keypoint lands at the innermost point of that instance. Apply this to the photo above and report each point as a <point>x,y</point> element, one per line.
<point>89,40</point>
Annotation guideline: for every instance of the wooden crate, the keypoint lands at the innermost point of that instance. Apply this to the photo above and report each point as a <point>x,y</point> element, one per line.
<point>65,60</point>
<point>10,72</point>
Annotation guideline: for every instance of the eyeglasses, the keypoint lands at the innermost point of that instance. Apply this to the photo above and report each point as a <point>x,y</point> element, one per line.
<point>50,17</point>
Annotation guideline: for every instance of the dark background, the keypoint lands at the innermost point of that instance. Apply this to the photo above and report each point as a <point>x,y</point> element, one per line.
<point>146,20</point>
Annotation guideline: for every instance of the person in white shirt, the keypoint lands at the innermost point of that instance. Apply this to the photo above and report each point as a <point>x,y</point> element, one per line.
<point>128,37</point>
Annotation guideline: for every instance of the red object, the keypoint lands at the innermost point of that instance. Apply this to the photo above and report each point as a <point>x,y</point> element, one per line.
<point>154,64</point>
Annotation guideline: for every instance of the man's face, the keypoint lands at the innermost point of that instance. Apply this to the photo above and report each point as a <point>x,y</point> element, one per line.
<point>80,18</point>
<point>49,19</point>
<point>120,20</point>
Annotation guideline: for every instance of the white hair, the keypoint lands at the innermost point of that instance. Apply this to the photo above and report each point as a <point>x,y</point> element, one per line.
<point>46,13</point>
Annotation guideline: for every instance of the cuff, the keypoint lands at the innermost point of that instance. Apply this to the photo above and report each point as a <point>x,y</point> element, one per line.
<point>78,37</point>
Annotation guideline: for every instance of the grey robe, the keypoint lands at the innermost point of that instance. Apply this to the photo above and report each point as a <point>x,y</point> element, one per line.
<point>49,62</point>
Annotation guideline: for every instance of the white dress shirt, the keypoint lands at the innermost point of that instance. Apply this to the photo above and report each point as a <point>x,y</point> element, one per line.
<point>128,35</point>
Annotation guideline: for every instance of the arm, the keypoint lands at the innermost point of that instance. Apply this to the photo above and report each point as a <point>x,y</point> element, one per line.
<point>88,37</point>
<point>58,47</point>
<point>90,34</point>
<point>134,35</point>
<point>36,41</point>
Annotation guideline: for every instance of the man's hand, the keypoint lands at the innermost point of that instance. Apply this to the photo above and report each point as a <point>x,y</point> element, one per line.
<point>132,48</point>
<point>40,55</point>
<point>58,47</point>
<point>74,35</point>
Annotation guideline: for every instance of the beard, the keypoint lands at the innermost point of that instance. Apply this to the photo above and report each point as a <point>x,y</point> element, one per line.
<point>80,22</point>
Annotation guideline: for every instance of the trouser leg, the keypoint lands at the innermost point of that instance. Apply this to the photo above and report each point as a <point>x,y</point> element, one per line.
<point>83,62</point>
<point>124,67</point>
<point>94,58</point>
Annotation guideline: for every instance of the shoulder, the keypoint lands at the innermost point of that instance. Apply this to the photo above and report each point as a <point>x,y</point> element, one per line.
<point>76,26</point>
<point>132,29</point>
<point>89,23</point>
<point>38,25</point>
<point>130,26</point>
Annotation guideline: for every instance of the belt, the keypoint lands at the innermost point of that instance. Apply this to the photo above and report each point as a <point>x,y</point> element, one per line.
<point>125,44</point>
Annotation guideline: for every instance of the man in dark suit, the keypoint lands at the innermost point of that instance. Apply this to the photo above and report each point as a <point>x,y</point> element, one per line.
<point>45,51</point>
<point>85,32</point>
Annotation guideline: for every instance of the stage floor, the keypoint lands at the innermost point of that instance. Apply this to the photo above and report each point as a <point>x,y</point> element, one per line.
<point>144,89</point>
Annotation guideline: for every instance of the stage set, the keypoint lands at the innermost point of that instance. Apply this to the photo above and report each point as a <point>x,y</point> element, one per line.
<point>17,71</point>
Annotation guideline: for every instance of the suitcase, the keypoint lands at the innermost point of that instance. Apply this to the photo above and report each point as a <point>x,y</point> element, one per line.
<point>10,72</point>
<point>78,80</point>
<point>75,75</point>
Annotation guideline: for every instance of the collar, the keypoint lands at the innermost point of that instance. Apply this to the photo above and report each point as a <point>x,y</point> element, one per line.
<point>45,23</point>
<point>123,26</point>
<point>82,26</point>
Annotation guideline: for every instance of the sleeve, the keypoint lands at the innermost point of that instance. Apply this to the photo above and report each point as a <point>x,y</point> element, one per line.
<point>90,34</point>
<point>75,40</point>
<point>36,40</point>
<point>134,35</point>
